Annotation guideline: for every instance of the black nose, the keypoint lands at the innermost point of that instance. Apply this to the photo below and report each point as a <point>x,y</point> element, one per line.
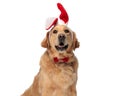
<point>61,37</point>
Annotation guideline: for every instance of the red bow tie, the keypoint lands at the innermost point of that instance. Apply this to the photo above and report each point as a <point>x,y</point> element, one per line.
<point>64,60</point>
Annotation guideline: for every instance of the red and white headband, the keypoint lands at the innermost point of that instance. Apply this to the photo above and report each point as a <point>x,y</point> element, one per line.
<point>52,21</point>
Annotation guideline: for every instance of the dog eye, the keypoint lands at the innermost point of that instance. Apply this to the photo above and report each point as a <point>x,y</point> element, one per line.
<point>66,31</point>
<point>55,31</point>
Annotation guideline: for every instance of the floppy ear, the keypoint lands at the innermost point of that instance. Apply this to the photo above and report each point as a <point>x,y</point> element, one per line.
<point>45,42</point>
<point>76,44</point>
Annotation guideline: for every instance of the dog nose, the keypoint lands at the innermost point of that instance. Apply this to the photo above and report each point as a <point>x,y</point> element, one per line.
<point>61,37</point>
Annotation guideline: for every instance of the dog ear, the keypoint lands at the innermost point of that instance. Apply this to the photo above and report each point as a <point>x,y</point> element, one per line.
<point>45,42</point>
<point>76,44</point>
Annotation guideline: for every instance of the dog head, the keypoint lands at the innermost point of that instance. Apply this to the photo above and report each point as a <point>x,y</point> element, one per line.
<point>60,38</point>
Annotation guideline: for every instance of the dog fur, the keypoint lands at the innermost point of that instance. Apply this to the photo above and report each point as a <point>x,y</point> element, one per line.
<point>56,79</point>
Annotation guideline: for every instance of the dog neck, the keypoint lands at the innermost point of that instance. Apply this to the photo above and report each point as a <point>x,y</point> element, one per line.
<point>60,57</point>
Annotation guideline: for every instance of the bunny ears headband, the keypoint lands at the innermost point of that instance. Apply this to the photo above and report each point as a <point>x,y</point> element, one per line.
<point>52,21</point>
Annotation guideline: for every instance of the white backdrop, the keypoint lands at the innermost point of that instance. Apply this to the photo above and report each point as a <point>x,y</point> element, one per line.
<point>97,25</point>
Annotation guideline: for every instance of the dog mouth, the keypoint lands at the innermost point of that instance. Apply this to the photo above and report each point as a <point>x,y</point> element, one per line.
<point>61,47</point>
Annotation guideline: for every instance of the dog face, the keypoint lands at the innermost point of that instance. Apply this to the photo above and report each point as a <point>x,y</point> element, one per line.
<point>60,38</point>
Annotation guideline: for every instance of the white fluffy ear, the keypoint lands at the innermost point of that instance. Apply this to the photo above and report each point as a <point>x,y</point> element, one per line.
<point>51,21</point>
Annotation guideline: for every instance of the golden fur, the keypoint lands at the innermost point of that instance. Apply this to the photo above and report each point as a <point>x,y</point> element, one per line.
<point>56,79</point>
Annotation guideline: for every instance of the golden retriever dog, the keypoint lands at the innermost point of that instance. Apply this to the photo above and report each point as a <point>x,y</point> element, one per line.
<point>58,65</point>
